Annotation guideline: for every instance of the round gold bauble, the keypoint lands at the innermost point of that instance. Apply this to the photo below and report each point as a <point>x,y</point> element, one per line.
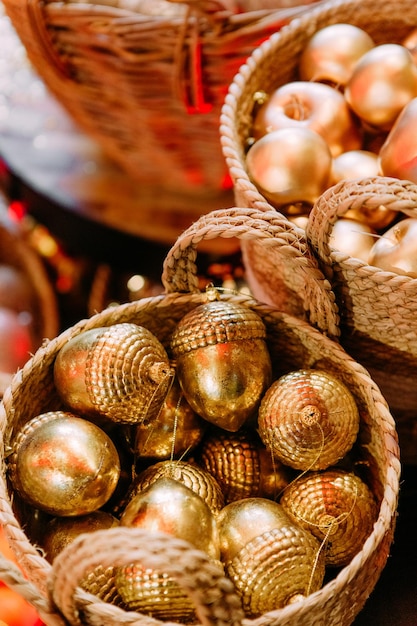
<point>290,165</point>
<point>308,419</point>
<point>332,52</point>
<point>337,507</point>
<point>64,465</point>
<point>213,345</point>
<point>169,506</point>
<point>313,105</point>
<point>353,237</point>
<point>398,153</point>
<point>383,82</point>
<point>120,372</point>
<point>396,249</point>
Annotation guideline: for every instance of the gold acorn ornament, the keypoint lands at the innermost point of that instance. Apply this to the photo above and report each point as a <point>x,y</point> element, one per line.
<point>170,507</point>
<point>242,466</point>
<point>176,430</point>
<point>120,372</point>
<point>308,419</point>
<point>337,507</point>
<point>222,361</point>
<point>189,474</point>
<point>63,464</point>
<point>271,560</point>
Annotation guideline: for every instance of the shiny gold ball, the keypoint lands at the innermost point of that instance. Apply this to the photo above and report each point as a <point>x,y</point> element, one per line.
<point>121,372</point>
<point>169,506</point>
<point>213,345</point>
<point>308,419</point>
<point>64,465</point>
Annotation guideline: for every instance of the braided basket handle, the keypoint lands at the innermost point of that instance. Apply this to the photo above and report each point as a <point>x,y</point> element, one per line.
<point>269,228</point>
<point>204,582</point>
<point>394,194</point>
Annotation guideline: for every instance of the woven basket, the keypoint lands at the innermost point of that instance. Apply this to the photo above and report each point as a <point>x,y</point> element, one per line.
<point>53,590</point>
<point>275,62</point>
<point>147,78</point>
<point>18,253</point>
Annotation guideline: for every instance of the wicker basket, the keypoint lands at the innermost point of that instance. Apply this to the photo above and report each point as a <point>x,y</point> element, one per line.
<point>18,253</point>
<point>361,300</point>
<point>147,78</point>
<point>53,590</point>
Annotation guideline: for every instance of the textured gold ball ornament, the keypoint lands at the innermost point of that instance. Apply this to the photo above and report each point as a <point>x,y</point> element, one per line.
<point>63,464</point>
<point>222,362</point>
<point>337,507</point>
<point>121,372</point>
<point>176,430</point>
<point>242,466</point>
<point>308,419</point>
<point>191,475</point>
<point>171,507</point>
<point>271,560</point>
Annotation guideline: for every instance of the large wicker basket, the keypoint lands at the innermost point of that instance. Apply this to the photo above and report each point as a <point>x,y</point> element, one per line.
<point>53,589</point>
<point>147,79</point>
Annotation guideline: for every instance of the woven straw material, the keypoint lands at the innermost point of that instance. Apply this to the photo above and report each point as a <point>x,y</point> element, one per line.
<point>146,78</point>
<point>293,343</point>
<point>275,62</point>
<point>18,253</point>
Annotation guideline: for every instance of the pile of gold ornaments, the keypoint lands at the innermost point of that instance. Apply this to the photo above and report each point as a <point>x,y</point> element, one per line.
<point>350,113</point>
<point>198,441</point>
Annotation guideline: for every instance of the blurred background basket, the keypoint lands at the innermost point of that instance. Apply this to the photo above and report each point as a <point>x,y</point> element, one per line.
<point>53,590</point>
<point>17,253</point>
<point>146,79</point>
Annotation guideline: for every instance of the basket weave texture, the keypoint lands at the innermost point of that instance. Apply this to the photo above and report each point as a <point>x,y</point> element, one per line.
<point>377,309</point>
<point>146,78</point>
<point>293,343</point>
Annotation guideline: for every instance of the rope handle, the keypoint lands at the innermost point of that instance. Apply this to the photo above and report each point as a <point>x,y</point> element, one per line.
<point>271,229</point>
<point>392,193</point>
<point>202,580</point>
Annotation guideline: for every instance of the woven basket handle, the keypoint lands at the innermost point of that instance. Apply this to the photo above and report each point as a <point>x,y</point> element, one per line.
<point>266,226</point>
<point>394,194</point>
<point>204,582</point>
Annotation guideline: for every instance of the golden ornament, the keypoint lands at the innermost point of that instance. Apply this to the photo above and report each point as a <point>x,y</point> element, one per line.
<point>191,475</point>
<point>337,507</point>
<point>242,466</point>
<point>63,464</point>
<point>213,345</point>
<point>120,372</point>
<point>308,419</point>
<point>176,430</point>
<point>169,506</point>
<point>271,560</point>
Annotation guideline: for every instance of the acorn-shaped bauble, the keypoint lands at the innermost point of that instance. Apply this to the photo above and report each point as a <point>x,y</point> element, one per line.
<point>308,419</point>
<point>120,372</point>
<point>242,465</point>
<point>337,507</point>
<point>271,560</point>
<point>171,507</point>
<point>222,361</point>
<point>176,430</point>
<point>191,475</point>
<point>63,464</point>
